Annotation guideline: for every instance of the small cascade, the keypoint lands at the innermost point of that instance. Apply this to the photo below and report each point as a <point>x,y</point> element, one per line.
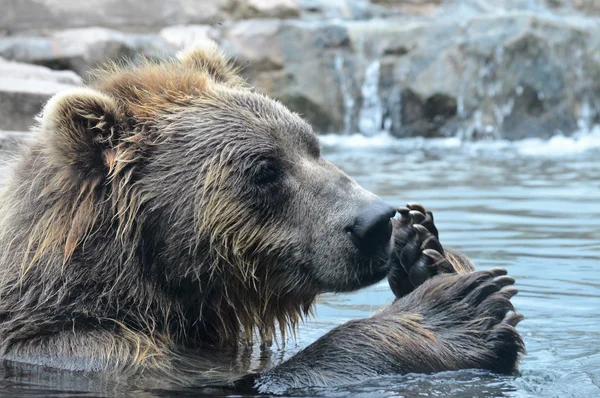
<point>370,117</point>
<point>348,99</point>
<point>585,120</point>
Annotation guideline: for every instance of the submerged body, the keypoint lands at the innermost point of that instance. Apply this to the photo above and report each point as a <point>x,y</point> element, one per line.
<point>168,213</point>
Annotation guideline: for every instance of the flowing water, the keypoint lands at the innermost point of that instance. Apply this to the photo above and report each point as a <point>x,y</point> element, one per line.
<point>532,207</point>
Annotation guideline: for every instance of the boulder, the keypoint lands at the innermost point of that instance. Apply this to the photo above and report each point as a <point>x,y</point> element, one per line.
<point>255,45</point>
<point>586,7</point>
<point>294,62</point>
<point>24,15</point>
<point>82,49</point>
<point>183,36</point>
<point>500,76</point>
<point>337,9</point>
<point>282,9</point>
<point>25,88</point>
<point>130,14</point>
<point>492,68</point>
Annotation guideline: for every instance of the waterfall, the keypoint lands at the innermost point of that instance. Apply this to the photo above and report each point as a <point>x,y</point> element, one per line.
<point>371,112</point>
<point>348,100</point>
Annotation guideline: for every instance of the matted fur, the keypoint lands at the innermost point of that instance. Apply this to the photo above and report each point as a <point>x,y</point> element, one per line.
<point>150,228</point>
<point>83,193</point>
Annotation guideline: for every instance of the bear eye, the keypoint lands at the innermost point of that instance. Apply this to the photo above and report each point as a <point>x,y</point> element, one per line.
<point>267,171</point>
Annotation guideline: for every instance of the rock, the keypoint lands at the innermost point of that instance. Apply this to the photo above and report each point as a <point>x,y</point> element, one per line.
<point>586,7</point>
<point>25,88</point>
<point>499,76</point>
<point>293,61</point>
<point>255,44</point>
<point>509,76</point>
<point>419,7</point>
<point>82,49</point>
<point>25,49</point>
<point>331,9</point>
<point>85,48</point>
<point>182,36</point>
<point>282,9</point>
<point>21,15</point>
<point>477,68</point>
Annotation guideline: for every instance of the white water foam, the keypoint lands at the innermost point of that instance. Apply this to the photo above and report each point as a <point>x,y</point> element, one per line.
<point>359,140</point>
<point>559,145</point>
<point>580,142</point>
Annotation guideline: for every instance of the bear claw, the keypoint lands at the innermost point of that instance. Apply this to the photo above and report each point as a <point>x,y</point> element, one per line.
<point>513,319</point>
<point>417,216</point>
<point>416,206</point>
<point>403,211</point>
<point>510,291</point>
<point>497,271</point>
<point>434,255</point>
<point>418,254</point>
<point>488,288</point>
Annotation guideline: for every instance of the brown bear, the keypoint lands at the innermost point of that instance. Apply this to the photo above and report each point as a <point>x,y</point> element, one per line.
<point>168,214</point>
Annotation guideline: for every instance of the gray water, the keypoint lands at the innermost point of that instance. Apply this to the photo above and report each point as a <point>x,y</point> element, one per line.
<point>531,207</point>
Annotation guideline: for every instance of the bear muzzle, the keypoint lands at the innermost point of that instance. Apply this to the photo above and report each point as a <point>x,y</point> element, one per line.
<point>372,227</point>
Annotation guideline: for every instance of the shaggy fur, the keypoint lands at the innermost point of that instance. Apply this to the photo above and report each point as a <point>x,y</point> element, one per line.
<point>168,213</point>
<point>420,333</point>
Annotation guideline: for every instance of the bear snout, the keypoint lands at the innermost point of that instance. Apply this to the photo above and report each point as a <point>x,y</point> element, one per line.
<point>372,227</point>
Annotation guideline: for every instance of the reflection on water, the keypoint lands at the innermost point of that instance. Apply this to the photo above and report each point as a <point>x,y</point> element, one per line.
<point>505,205</point>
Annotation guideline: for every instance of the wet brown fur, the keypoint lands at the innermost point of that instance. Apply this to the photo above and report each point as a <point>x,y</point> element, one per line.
<point>85,280</point>
<point>121,114</point>
<point>461,263</point>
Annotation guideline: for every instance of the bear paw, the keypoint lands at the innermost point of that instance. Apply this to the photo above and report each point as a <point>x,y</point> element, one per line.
<point>472,314</point>
<point>418,254</point>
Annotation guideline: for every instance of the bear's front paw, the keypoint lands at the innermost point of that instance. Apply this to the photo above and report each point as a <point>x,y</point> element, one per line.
<point>472,314</point>
<point>418,254</point>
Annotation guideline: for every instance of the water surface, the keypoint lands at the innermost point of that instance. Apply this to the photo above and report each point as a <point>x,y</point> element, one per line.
<point>532,207</point>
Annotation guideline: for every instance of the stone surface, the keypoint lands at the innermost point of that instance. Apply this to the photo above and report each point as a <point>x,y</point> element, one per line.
<point>24,15</point>
<point>474,68</point>
<point>494,76</point>
<point>256,44</point>
<point>183,36</point>
<point>25,88</point>
<point>510,77</point>
<point>586,7</point>
<point>128,14</point>
<point>243,9</point>
<point>294,62</point>
<point>336,9</point>
<point>81,49</point>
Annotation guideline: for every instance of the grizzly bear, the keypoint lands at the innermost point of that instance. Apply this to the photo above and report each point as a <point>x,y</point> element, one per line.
<point>168,213</point>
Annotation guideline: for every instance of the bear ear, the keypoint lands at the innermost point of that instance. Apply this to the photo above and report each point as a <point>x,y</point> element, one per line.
<point>81,128</point>
<point>206,56</point>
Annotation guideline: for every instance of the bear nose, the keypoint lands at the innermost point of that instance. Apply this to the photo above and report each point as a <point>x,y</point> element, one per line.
<point>372,226</point>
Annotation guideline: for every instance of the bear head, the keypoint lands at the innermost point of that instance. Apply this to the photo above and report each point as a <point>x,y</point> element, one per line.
<point>219,193</point>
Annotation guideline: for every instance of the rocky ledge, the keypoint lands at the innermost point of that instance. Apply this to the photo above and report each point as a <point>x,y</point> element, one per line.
<point>488,68</point>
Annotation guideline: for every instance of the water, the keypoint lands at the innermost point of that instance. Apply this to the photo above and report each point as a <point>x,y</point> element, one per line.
<point>371,112</point>
<point>532,207</point>
<point>347,97</point>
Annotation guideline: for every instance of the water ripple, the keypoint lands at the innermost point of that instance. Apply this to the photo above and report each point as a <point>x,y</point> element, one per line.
<point>506,205</point>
